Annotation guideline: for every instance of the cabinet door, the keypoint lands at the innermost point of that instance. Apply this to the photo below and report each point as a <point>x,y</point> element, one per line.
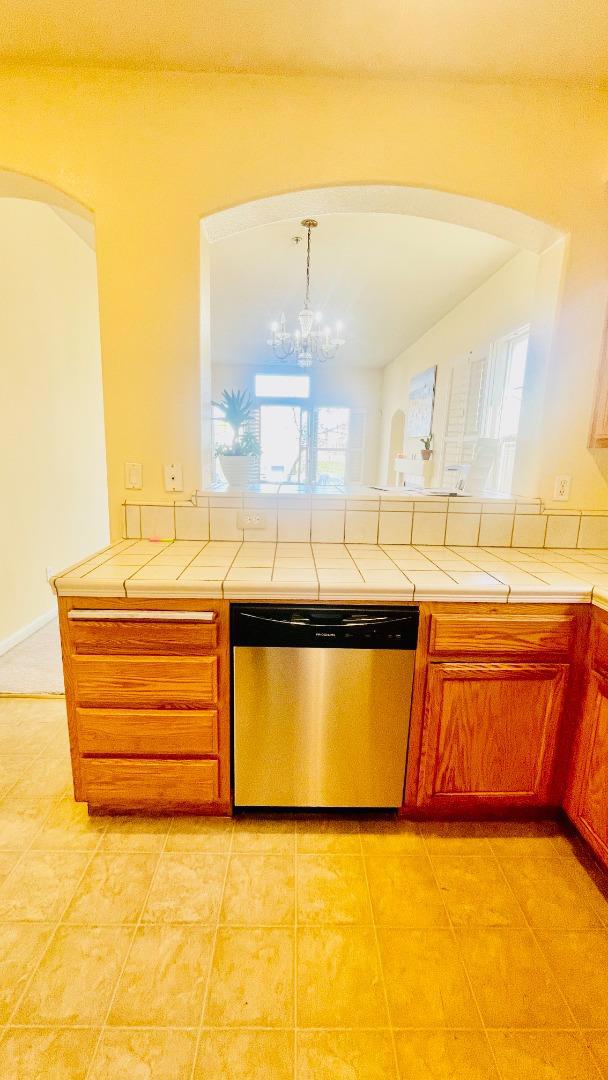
<point>490,733</point>
<point>588,799</point>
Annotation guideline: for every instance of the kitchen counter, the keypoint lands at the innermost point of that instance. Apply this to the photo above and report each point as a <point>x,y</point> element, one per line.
<point>253,570</point>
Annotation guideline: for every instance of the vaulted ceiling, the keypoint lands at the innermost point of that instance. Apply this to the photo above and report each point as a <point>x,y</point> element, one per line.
<point>474,39</point>
<point>388,277</point>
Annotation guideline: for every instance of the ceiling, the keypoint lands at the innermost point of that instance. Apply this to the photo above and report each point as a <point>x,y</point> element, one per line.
<point>388,277</point>
<point>473,39</point>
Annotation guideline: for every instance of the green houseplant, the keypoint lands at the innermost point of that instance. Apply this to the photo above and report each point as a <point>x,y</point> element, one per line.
<point>426,447</point>
<point>237,459</point>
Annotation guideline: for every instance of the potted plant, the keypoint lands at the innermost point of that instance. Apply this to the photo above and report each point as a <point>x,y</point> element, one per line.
<point>238,459</point>
<point>426,451</point>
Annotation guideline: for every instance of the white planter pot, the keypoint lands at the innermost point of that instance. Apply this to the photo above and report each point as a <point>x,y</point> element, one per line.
<point>238,471</point>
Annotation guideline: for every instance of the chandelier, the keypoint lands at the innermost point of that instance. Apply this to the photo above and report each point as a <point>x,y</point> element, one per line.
<point>310,341</point>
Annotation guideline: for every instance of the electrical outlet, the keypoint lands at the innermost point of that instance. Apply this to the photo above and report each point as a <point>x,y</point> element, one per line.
<point>250,519</point>
<point>561,488</point>
<point>133,475</point>
<point>173,477</point>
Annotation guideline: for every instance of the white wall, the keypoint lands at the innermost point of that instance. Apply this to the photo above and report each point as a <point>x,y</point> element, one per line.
<point>355,388</point>
<point>52,454</point>
<point>504,302</point>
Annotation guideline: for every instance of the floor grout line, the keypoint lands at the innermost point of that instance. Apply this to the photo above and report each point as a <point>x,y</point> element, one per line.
<point>200,1026</point>
<point>380,962</point>
<point>127,953</point>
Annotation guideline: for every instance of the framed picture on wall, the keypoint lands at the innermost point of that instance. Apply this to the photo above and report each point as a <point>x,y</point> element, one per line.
<point>421,399</point>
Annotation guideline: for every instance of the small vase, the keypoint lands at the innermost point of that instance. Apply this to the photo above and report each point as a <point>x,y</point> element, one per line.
<point>238,469</point>
<point>426,455</point>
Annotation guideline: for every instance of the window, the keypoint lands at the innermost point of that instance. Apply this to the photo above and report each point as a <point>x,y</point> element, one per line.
<point>282,386</point>
<point>484,413</point>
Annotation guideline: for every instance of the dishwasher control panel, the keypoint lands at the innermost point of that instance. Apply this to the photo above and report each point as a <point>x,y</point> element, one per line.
<point>324,626</point>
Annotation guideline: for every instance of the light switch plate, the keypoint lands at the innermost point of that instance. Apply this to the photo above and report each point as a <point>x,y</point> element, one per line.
<point>133,475</point>
<point>173,477</point>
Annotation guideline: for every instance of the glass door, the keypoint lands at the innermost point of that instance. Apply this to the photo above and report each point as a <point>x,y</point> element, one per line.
<point>284,439</point>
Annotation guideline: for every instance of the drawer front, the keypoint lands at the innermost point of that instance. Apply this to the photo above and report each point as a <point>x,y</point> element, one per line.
<point>190,732</point>
<point>126,638</point>
<point>500,635</point>
<point>134,682</point>
<point>138,784</point>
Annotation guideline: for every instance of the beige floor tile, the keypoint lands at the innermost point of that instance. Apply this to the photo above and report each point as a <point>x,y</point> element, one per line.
<point>45,778</point>
<point>164,979</point>
<point>339,978</point>
<point>549,893</point>
<point>444,1055</point>
<point>592,880</point>
<point>259,890</point>
<point>252,977</point>
<point>20,821</point>
<point>404,891</point>
<point>76,977</point>
<point>598,1042</point>
<point>317,835</point>
<point>21,946</point>
<point>69,827</point>
<point>132,1054</point>
<point>7,861</point>
<point>113,889</point>
<point>47,1054</point>
<point>383,836</point>
<point>514,838</point>
<point>542,1055</point>
<point>332,889</point>
<point>332,1055</point>
<point>272,835</point>
<point>205,834</point>
<point>579,960</point>
<point>134,833</point>
<point>187,888</point>
<point>13,767</point>
<point>245,1055</point>
<point>475,892</point>
<point>512,985</point>
<point>425,980</point>
<point>41,885</point>
<point>456,838</point>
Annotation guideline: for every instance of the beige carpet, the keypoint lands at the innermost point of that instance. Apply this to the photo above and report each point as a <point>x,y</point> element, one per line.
<point>34,666</point>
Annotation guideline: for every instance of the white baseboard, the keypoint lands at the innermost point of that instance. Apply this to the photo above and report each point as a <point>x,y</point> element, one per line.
<point>26,631</point>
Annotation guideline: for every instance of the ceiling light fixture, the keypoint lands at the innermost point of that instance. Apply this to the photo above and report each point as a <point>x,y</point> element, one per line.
<point>310,341</point>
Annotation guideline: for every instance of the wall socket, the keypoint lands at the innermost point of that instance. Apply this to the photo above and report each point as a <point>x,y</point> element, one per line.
<point>561,488</point>
<point>250,519</point>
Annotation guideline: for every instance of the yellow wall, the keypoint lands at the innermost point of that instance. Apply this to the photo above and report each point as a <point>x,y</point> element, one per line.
<point>52,456</point>
<point>502,304</point>
<point>151,153</point>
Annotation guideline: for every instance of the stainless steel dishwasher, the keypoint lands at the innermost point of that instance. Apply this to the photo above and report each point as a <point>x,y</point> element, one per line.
<point>321,704</point>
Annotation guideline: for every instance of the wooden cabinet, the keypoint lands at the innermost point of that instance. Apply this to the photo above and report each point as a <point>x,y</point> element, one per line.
<point>148,697</point>
<point>490,735</point>
<point>491,712</point>
<point>587,797</point>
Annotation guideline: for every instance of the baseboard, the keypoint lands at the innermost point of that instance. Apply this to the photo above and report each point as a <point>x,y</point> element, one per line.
<point>26,631</point>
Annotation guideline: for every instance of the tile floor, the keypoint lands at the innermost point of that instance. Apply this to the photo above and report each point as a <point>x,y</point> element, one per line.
<point>314,949</point>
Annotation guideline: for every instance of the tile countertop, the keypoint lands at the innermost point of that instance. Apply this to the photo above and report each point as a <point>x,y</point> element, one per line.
<point>302,572</point>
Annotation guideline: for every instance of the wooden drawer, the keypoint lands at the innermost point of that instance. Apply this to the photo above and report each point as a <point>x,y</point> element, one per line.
<point>137,636</point>
<point>142,784</point>
<point>190,732</point>
<point>138,682</point>
<point>500,635</point>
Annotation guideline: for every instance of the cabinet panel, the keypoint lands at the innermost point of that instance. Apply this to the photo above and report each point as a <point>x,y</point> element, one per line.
<point>588,800</point>
<point>489,734</point>
<point>139,784</point>
<point>137,638</point>
<point>500,635</point>
<point>139,682</point>
<point>189,732</point>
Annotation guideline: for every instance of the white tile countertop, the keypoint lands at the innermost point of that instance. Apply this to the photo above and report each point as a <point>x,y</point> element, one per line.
<point>259,570</point>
